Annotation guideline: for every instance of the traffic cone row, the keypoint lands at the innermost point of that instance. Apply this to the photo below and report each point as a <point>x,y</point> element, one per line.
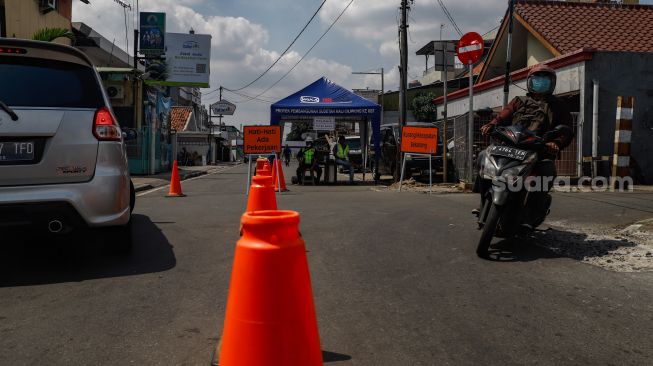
<point>270,316</point>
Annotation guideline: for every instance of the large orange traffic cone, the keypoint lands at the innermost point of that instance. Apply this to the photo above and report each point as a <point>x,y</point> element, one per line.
<point>281,180</point>
<point>270,317</point>
<point>175,184</point>
<point>261,194</point>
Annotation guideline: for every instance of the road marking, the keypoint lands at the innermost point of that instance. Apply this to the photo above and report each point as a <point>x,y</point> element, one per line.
<point>216,171</point>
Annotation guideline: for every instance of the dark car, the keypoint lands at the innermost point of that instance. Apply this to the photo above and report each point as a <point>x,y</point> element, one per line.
<point>415,165</point>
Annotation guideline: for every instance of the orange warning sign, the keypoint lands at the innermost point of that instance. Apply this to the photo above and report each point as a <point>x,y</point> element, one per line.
<point>419,140</point>
<point>262,139</point>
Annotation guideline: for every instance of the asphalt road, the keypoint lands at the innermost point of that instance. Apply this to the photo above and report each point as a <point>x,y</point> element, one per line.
<point>395,280</point>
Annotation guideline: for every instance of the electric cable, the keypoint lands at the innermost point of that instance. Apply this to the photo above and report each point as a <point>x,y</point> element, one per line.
<point>305,54</point>
<point>282,54</point>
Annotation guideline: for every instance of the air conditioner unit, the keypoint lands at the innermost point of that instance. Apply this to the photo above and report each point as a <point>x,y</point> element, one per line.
<point>47,5</point>
<point>116,92</point>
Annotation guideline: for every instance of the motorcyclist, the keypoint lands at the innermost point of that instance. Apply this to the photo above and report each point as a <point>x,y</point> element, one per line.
<point>539,111</point>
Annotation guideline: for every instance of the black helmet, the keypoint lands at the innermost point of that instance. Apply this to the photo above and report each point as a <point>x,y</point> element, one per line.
<point>541,80</point>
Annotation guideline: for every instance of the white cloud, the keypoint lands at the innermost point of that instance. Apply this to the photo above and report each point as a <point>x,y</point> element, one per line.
<point>238,51</point>
<point>241,50</point>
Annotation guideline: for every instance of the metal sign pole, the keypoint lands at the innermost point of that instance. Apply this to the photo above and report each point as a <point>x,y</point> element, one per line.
<point>249,172</point>
<point>401,176</point>
<point>278,175</point>
<point>470,132</point>
<point>430,175</point>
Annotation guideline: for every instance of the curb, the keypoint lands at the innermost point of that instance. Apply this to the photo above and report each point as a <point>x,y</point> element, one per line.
<point>193,174</point>
<point>188,175</point>
<point>142,187</point>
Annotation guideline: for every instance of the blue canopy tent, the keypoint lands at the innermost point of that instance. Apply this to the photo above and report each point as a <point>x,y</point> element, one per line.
<point>325,98</point>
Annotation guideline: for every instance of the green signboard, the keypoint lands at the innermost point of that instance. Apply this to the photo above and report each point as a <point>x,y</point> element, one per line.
<point>152,34</point>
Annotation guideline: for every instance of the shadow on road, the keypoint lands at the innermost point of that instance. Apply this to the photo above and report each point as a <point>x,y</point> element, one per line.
<point>518,250</point>
<point>334,357</point>
<point>554,243</point>
<point>41,260</point>
<point>578,245</point>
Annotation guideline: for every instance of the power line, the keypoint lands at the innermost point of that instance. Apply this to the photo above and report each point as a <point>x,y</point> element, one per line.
<point>448,15</point>
<point>283,53</point>
<point>309,50</point>
<point>248,97</point>
<point>490,31</point>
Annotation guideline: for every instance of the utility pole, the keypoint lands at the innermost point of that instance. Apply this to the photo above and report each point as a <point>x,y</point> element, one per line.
<point>220,116</point>
<point>403,76</point>
<point>403,62</point>
<point>506,82</point>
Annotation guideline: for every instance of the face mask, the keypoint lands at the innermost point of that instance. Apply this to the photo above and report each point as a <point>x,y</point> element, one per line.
<point>540,84</point>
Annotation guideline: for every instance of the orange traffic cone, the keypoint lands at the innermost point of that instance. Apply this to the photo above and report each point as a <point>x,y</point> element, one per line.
<point>263,167</point>
<point>270,317</point>
<point>281,180</point>
<point>175,184</point>
<point>259,163</point>
<point>261,194</point>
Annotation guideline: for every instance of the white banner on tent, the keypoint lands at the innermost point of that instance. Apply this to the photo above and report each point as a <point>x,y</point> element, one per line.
<point>324,123</point>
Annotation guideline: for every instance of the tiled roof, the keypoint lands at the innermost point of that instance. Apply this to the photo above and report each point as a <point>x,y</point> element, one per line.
<point>568,26</point>
<point>179,117</point>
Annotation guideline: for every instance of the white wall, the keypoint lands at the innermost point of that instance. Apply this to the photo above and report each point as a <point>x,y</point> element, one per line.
<point>569,78</point>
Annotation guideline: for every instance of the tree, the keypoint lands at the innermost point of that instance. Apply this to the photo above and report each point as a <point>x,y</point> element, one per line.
<point>50,34</point>
<point>423,109</point>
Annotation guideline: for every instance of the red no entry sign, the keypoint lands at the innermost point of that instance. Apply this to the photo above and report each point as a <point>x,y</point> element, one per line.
<point>470,48</point>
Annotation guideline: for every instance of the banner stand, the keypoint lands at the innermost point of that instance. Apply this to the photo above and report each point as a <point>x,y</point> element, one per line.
<point>261,141</point>
<point>403,166</point>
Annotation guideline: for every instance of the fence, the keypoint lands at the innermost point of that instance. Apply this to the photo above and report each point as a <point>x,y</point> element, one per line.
<point>566,164</point>
<point>460,138</point>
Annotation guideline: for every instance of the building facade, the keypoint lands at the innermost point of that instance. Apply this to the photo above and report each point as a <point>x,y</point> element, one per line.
<point>23,18</point>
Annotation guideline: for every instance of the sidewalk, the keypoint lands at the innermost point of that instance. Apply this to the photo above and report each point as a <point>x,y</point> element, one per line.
<point>145,182</point>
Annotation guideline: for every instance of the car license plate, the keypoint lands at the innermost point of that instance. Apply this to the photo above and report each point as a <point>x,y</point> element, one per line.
<point>16,151</point>
<point>509,152</point>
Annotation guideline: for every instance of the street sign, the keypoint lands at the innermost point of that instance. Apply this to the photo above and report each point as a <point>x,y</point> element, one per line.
<point>223,108</point>
<point>419,140</point>
<point>324,123</point>
<point>470,48</point>
<point>261,140</point>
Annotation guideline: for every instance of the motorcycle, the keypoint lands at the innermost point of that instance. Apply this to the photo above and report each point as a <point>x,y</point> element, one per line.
<point>508,202</point>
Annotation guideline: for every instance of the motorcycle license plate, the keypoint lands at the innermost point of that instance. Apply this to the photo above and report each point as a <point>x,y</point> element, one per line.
<point>509,152</point>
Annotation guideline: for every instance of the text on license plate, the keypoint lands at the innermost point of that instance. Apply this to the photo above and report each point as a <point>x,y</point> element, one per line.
<point>16,150</point>
<point>509,152</point>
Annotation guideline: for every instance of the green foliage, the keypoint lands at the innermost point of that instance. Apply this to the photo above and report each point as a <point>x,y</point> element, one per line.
<point>423,109</point>
<point>50,34</point>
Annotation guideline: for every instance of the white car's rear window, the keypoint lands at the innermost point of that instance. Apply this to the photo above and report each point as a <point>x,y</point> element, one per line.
<point>34,82</point>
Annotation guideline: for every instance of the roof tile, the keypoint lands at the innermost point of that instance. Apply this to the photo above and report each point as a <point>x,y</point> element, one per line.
<point>179,117</point>
<point>569,26</point>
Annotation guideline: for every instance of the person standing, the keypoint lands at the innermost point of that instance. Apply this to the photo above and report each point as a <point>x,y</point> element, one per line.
<point>286,155</point>
<point>341,152</point>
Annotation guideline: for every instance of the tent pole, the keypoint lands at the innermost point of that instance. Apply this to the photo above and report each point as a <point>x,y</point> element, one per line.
<point>364,144</point>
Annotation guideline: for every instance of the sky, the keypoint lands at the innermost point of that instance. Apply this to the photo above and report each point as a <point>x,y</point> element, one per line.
<point>247,36</point>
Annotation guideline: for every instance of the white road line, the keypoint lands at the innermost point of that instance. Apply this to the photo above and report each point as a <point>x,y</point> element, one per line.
<point>216,171</point>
